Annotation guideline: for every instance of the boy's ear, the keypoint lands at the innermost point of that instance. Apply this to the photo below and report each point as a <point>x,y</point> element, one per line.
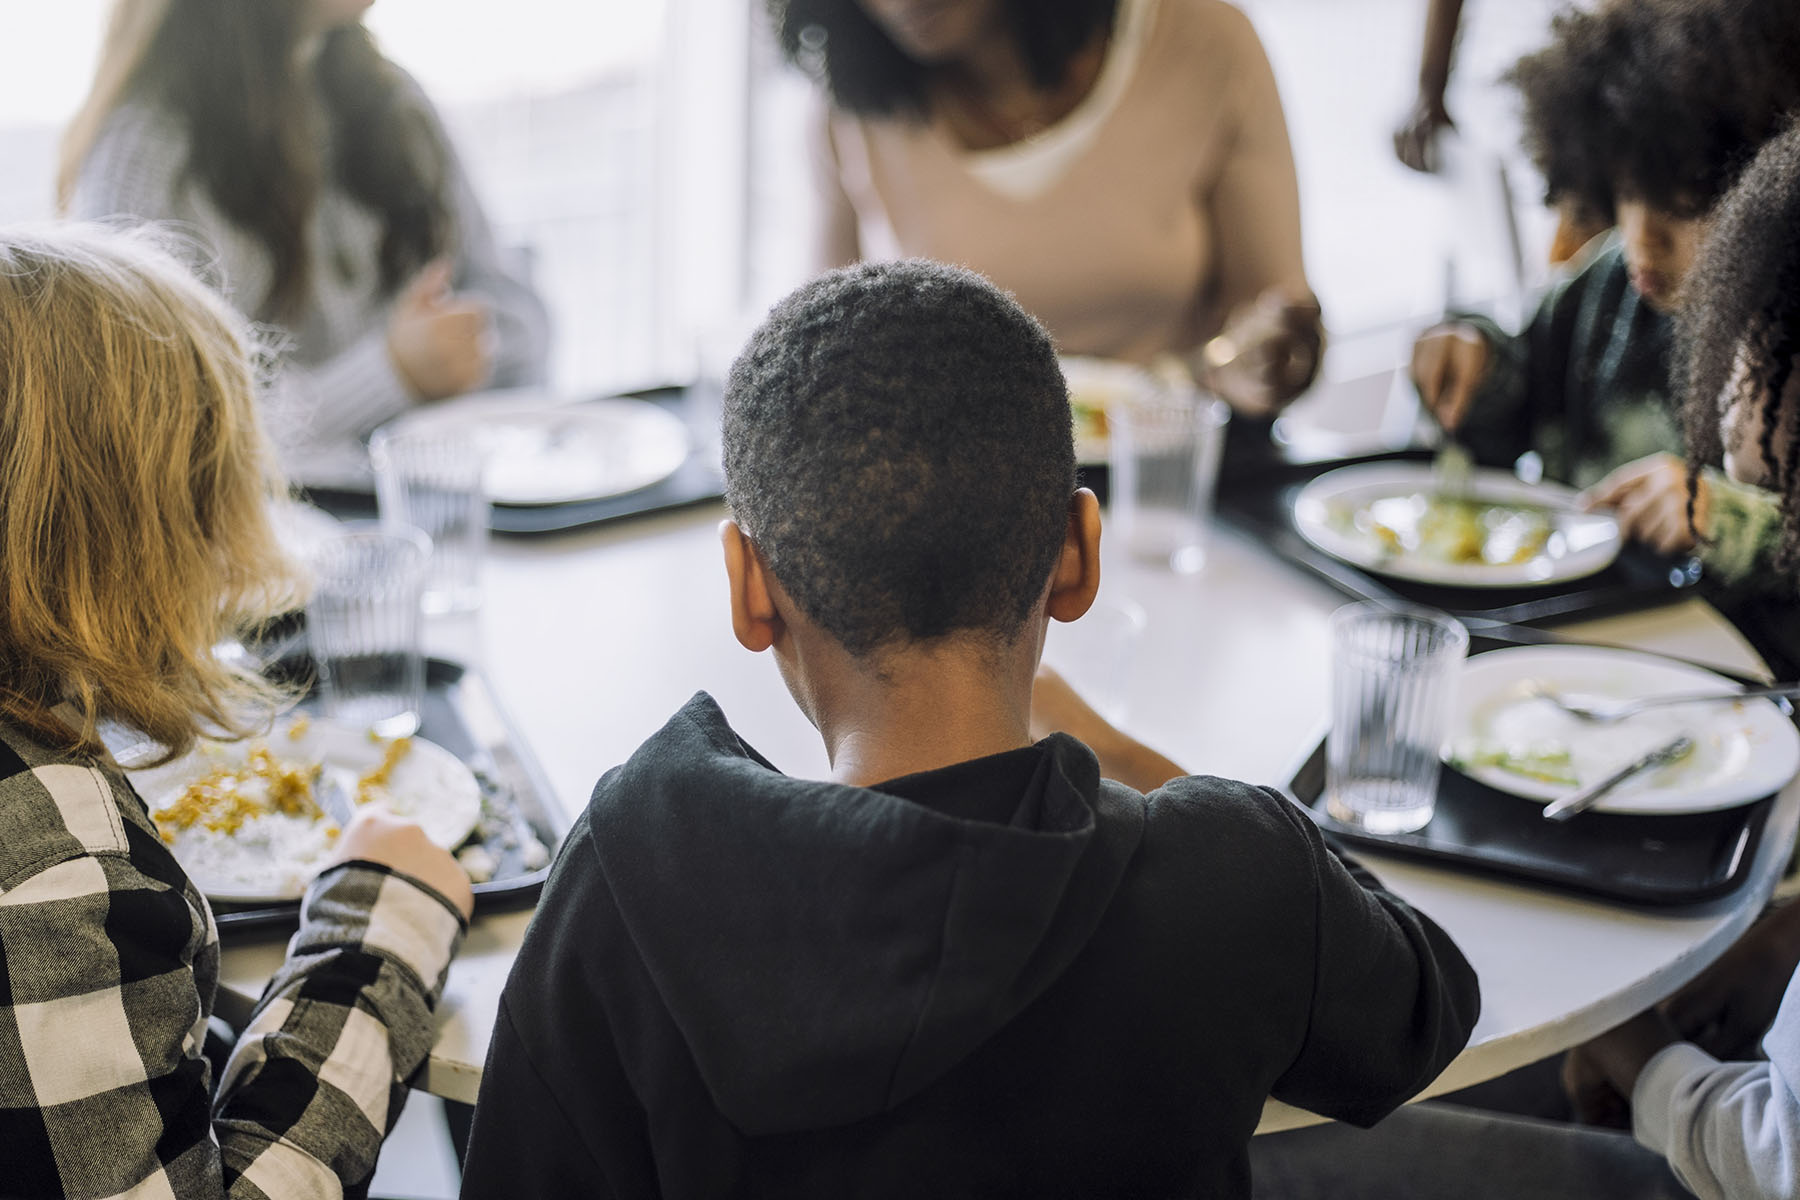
<point>1076,580</point>
<point>754,618</point>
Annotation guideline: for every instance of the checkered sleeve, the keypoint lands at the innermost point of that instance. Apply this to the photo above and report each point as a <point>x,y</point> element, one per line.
<point>104,1090</point>
<point>108,958</point>
<point>319,1074</point>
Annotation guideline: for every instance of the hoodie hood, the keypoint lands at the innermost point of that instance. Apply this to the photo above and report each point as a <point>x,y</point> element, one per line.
<point>828,951</point>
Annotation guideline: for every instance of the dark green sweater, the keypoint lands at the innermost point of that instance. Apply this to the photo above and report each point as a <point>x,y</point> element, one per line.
<point>1586,384</point>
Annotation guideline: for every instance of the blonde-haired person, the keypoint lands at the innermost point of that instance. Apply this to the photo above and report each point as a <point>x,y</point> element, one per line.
<point>326,201</point>
<point>134,478</point>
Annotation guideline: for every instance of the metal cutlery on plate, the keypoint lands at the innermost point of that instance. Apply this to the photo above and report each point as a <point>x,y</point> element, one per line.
<point>1606,714</point>
<point>1585,798</point>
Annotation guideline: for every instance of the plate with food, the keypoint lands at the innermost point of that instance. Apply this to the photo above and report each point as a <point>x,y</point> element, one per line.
<point>1509,734</point>
<point>244,818</point>
<point>1394,519</point>
<point>540,451</point>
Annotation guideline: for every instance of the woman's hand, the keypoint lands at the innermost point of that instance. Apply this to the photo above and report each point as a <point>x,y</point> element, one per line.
<point>1731,1005</point>
<point>440,342</point>
<point>381,837</point>
<point>1449,361</point>
<point>1058,708</point>
<point>1267,354</point>
<point>1650,498</point>
<point>1416,137</point>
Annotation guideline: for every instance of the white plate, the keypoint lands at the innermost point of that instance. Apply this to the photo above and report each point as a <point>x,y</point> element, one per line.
<point>541,452</point>
<point>272,856</point>
<point>1581,544</point>
<point>1743,751</point>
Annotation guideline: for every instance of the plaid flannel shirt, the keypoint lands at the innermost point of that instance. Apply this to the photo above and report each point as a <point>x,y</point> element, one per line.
<point>109,959</point>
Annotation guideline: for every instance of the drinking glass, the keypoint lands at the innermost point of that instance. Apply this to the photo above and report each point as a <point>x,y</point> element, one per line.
<point>1165,441</point>
<point>1393,683</point>
<point>431,479</point>
<point>363,620</point>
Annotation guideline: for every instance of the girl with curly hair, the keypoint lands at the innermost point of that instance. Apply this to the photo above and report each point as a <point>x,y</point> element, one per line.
<point>325,199</point>
<point>1121,166</point>
<point>1740,338</point>
<point>1732,1128</point>
<point>134,537</point>
<point>1627,119</point>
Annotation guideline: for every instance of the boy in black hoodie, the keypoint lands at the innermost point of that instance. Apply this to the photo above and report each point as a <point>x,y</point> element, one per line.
<point>966,965</point>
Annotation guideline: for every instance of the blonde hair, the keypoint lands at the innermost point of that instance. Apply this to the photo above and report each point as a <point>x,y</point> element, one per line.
<point>135,483</point>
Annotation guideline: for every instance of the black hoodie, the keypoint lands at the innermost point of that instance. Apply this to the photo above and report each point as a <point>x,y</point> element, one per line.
<point>1006,977</point>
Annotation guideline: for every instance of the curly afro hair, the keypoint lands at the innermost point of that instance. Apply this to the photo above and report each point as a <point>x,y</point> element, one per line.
<point>898,447</point>
<point>867,74</point>
<point>1741,326</point>
<point>1662,101</point>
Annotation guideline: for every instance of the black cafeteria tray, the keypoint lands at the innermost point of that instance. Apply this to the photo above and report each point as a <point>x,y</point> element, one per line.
<point>696,481</point>
<point>1652,860</point>
<point>1263,507</point>
<point>517,804</point>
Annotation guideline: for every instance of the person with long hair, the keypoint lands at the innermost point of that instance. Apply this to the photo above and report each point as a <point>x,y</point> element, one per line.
<point>134,536</point>
<point>1121,166</point>
<point>325,200</point>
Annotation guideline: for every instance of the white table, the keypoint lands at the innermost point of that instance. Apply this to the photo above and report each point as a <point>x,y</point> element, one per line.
<point>593,639</point>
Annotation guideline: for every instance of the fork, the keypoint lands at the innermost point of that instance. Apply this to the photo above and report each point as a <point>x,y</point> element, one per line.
<point>332,800</point>
<point>1607,714</point>
<point>1453,469</point>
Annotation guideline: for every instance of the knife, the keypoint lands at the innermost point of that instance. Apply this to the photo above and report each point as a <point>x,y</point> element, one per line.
<point>1585,798</point>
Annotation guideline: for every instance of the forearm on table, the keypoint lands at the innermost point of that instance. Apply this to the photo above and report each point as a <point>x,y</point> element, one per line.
<point>1730,1131</point>
<point>1394,999</point>
<point>319,1073</point>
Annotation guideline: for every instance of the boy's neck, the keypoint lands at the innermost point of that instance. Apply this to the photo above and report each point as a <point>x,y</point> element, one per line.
<point>923,709</point>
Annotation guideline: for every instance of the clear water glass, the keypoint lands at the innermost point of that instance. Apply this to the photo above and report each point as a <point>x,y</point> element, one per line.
<point>363,623</point>
<point>1394,670</point>
<point>431,479</point>
<point>1165,441</point>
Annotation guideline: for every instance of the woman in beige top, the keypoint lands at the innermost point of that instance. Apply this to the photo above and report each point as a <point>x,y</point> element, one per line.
<point>1121,166</point>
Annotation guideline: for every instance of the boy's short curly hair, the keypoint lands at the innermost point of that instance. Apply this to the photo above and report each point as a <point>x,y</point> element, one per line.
<point>1663,101</point>
<point>1743,315</point>
<point>898,447</point>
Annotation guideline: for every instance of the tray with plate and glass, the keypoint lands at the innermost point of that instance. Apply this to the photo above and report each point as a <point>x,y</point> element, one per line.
<point>1679,834</point>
